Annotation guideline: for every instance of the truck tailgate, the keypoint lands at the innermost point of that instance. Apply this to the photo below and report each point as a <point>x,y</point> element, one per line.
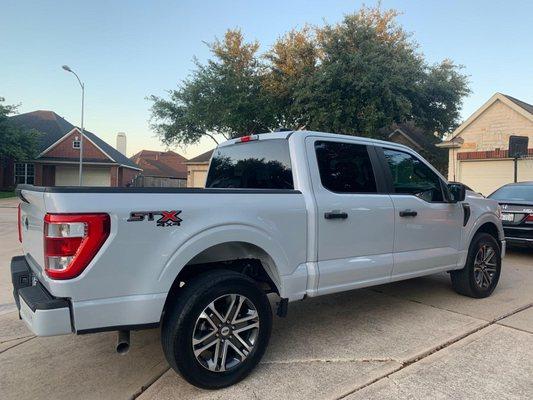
<point>32,211</point>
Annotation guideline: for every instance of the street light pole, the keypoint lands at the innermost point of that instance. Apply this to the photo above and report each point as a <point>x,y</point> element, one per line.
<point>67,68</point>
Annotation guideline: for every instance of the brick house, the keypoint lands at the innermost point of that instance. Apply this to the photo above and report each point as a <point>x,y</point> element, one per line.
<point>58,161</point>
<point>478,148</point>
<point>160,169</point>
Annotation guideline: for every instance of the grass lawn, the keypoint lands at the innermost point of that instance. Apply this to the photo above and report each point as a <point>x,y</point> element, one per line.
<point>5,195</point>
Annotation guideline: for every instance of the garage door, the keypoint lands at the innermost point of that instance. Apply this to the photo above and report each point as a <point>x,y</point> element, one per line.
<point>198,178</point>
<point>92,176</point>
<point>487,176</point>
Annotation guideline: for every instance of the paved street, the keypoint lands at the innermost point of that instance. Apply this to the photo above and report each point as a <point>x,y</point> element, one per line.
<point>409,340</point>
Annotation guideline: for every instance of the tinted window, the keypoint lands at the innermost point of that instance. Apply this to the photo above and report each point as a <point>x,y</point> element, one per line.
<point>345,167</point>
<point>412,176</point>
<point>261,164</point>
<point>514,193</point>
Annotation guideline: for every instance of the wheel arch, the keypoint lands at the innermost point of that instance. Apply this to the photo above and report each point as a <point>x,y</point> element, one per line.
<point>491,228</point>
<point>241,248</point>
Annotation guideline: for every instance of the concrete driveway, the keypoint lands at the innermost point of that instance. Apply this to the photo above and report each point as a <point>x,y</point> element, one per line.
<point>409,340</point>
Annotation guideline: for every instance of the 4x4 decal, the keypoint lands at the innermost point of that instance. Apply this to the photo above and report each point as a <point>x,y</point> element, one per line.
<point>168,218</point>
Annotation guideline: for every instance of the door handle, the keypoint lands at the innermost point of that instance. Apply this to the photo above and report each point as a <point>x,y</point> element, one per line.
<point>335,214</point>
<point>408,213</point>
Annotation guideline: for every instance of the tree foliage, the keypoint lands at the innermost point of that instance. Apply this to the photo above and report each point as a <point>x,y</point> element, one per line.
<point>353,77</point>
<point>225,96</point>
<point>16,143</point>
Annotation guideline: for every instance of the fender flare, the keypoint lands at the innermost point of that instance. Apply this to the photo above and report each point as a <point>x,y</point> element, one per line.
<point>487,217</point>
<point>217,235</point>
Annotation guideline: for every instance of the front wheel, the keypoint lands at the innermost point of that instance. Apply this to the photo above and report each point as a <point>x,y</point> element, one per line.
<point>481,273</point>
<point>216,331</point>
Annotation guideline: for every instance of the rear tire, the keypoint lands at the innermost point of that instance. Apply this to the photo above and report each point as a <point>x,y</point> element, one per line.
<point>481,273</point>
<point>234,336</point>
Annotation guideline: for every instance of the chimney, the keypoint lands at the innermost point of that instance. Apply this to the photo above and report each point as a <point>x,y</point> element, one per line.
<point>121,142</point>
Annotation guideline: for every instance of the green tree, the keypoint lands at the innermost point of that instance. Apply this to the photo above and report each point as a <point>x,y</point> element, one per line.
<point>355,77</point>
<point>16,143</point>
<point>371,75</point>
<point>224,97</point>
<point>292,59</point>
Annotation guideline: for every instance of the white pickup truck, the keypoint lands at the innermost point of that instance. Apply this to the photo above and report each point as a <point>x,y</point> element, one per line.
<point>297,214</point>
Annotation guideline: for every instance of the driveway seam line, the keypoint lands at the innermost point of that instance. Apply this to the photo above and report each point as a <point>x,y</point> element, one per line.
<point>333,360</point>
<point>145,387</point>
<point>436,349</point>
<point>516,329</point>
<point>16,338</point>
<point>18,344</point>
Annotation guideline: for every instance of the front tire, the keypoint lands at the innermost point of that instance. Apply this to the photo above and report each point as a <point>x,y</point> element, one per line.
<point>481,273</point>
<point>216,330</point>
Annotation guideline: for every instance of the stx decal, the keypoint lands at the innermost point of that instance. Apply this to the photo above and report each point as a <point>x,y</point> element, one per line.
<point>168,218</point>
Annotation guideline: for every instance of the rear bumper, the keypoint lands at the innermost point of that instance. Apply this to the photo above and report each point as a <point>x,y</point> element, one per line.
<point>44,314</point>
<point>518,235</point>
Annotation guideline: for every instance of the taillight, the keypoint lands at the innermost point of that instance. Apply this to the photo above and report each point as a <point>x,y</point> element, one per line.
<point>19,223</point>
<point>529,219</point>
<point>71,241</point>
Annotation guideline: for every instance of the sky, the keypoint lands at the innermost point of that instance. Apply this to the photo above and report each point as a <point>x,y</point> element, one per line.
<point>125,51</point>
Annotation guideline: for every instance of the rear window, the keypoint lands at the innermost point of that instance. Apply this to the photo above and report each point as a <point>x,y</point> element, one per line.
<point>514,193</point>
<point>345,167</point>
<point>261,164</point>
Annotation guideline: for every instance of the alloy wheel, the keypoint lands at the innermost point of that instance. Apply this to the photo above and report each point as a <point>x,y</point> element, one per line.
<point>485,266</point>
<point>225,332</point>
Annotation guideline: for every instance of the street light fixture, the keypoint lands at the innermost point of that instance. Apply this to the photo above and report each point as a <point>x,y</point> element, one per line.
<point>67,68</point>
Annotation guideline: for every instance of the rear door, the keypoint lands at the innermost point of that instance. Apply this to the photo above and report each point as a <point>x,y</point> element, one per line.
<point>355,215</point>
<point>428,229</point>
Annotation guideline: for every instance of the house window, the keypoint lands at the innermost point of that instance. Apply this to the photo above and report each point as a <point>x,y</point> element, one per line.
<point>24,173</point>
<point>76,144</point>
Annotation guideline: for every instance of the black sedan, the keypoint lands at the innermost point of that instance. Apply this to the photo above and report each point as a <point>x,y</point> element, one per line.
<point>516,201</point>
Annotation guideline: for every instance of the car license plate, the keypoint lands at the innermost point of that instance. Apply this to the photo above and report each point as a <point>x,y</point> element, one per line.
<point>509,217</point>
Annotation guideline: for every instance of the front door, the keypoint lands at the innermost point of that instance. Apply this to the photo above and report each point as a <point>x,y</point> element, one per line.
<point>355,215</point>
<point>427,228</point>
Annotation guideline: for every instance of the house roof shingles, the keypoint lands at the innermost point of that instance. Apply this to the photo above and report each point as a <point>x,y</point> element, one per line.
<point>202,158</point>
<point>167,164</point>
<point>55,127</point>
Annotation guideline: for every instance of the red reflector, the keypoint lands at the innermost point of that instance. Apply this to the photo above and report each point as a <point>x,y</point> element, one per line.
<point>529,218</point>
<point>71,241</point>
<point>61,247</point>
<point>19,224</point>
<point>249,138</point>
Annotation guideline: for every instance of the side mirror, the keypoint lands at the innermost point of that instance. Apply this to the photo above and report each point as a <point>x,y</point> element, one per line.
<point>457,192</point>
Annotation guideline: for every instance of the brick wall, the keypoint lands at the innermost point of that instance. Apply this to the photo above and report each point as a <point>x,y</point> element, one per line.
<point>126,175</point>
<point>483,155</point>
<point>113,171</point>
<point>64,149</point>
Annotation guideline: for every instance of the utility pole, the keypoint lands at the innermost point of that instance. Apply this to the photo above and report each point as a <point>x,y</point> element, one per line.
<point>68,69</point>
